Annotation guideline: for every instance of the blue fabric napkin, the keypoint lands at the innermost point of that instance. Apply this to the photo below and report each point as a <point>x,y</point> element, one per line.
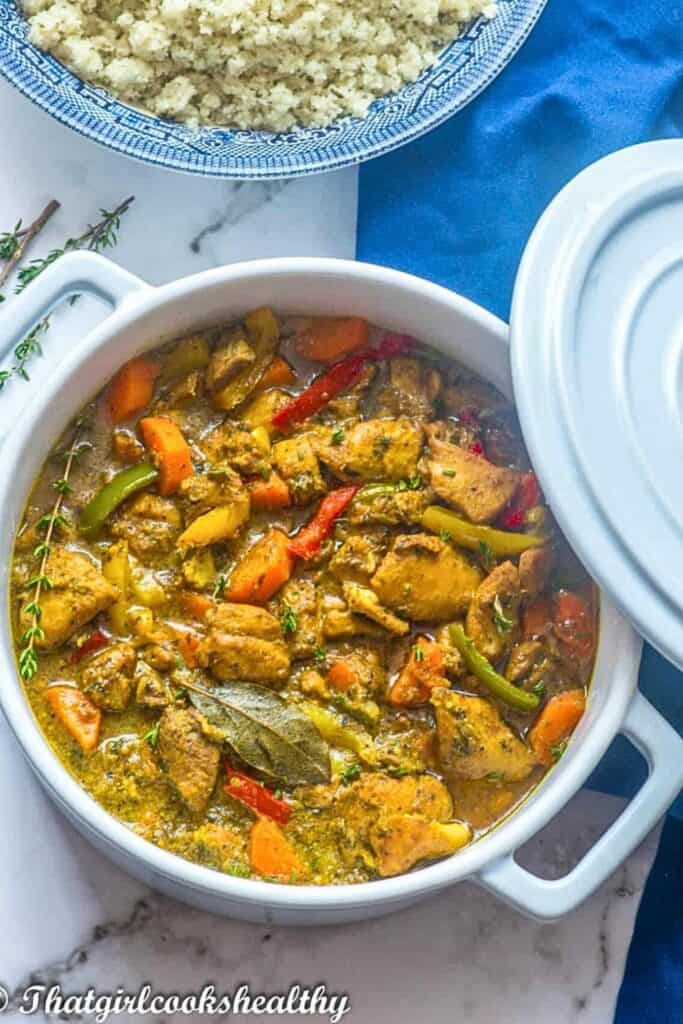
<point>458,205</point>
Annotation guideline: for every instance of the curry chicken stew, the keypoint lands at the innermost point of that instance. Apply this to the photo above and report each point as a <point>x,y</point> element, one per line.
<point>288,603</point>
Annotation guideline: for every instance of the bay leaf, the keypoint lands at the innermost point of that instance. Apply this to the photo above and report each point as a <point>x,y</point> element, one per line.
<point>266,732</point>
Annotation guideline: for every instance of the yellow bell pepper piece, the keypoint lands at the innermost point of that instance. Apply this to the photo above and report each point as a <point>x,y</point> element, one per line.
<point>219,524</point>
<point>116,568</point>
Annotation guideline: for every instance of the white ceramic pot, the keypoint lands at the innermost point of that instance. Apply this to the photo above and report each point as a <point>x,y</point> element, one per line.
<point>142,318</point>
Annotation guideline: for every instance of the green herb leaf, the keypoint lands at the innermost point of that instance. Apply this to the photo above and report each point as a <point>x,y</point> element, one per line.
<point>488,559</point>
<point>338,436</point>
<point>349,774</point>
<point>271,735</point>
<point>448,472</point>
<point>558,750</point>
<point>152,737</point>
<point>418,653</point>
<point>504,625</point>
<point>219,586</point>
<point>289,620</point>
<point>539,689</point>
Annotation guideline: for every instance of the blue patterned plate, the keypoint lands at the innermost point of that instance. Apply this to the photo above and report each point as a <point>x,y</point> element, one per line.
<point>465,68</point>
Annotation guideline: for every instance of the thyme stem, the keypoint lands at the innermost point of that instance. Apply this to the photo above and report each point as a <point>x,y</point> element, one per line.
<point>28,661</point>
<point>24,238</point>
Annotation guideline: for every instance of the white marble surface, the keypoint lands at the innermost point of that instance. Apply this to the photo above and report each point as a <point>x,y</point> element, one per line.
<point>69,916</point>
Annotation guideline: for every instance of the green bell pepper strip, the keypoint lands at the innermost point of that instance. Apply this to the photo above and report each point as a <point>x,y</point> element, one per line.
<point>370,491</point>
<point>120,487</point>
<point>467,535</point>
<point>482,668</point>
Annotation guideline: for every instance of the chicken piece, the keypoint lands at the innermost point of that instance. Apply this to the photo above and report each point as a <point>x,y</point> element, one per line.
<point>414,794</point>
<point>151,689</point>
<point>493,615</point>
<point>534,570</point>
<point>261,409</point>
<point>78,592</point>
<point>474,742</point>
<point>186,389</point>
<point>453,662</point>
<point>342,624</point>
<point>108,677</point>
<point>470,483</point>
<point>471,395</point>
<point>150,524</point>
<point>300,597</point>
<point>372,450</point>
<point>215,845</point>
<point>410,390</point>
<point>245,642</point>
<point>364,601</point>
<point>523,659</point>
<point>424,578</point>
<point>230,445</point>
<point>126,447</point>
<point>357,559</point>
<point>365,663</point>
<point>401,840</point>
<point>205,491</point>
<point>298,464</point>
<point>190,759</point>
<point>391,509</point>
<point>232,354</point>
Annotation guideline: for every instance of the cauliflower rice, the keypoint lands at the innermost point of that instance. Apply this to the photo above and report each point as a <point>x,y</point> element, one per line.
<point>269,64</point>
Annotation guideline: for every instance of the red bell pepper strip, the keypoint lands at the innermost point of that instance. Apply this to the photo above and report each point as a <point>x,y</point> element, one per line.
<point>340,377</point>
<point>311,537</point>
<point>258,797</point>
<point>95,642</point>
<point>528,494</point>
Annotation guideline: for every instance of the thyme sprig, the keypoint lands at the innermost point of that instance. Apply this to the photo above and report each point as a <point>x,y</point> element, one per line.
<point>97,237</point>
<point>13,244</point>
<point>50,522</point>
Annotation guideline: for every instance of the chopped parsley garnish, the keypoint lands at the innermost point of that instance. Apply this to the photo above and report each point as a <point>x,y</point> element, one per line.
<point>319,655</point>
<point>238,870</point>
<point>265,472</point>
<point>152,737</point>
<point>338,436</point>
<point>219,586</point>
<point>418,653</point>
<point>398,771</point>
<point>289,620</point>
<point>349,774</point>
<point>448,472</point>
<point>488,559</point>
<point>413,483</point>
<point>495,777</point>
<point>444,535</point>
<point>558,750</point>
<point>503,624</point>
<point>539,689</point>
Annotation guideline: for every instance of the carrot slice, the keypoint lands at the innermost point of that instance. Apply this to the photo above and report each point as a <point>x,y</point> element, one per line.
<point>271,853</point>
<point>423,671</point>
<point>329,339</point>
<point>277,375</point>
<point>172,450</point>
<point>264,569</point>
<point>341,676</point>
<point>195,605</point>
<point>556,723</point>
<point>188,644</point>
<point>271,493</point>
<point>132,388</point>
<point>77,713</point>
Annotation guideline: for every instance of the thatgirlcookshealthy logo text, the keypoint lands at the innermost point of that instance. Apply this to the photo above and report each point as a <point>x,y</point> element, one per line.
<point>52,1002</point>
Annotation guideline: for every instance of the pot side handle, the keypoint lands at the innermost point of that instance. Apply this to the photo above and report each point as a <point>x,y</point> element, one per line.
<point>546,899</point>
<point>72,274</point>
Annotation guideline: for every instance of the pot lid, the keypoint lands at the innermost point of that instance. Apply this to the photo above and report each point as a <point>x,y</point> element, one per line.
<point>597,364</point>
